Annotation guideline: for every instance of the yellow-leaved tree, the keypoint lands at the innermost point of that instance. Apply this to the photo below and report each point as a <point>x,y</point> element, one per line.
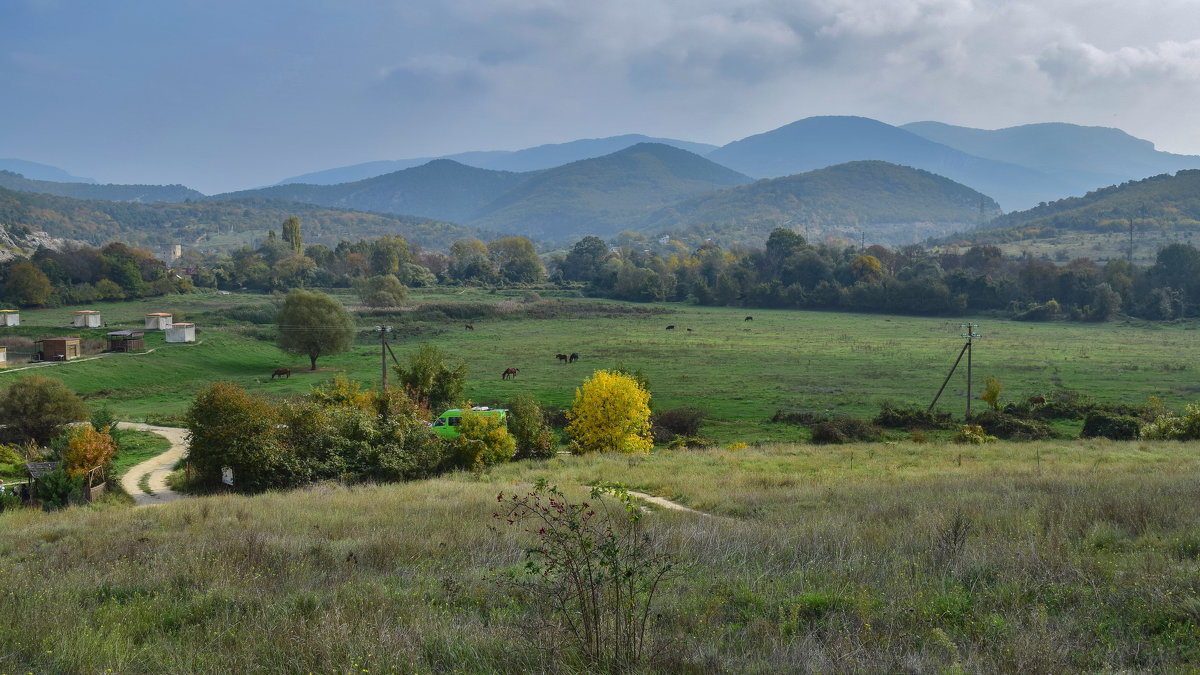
<point>483,440</point>
<point>87,449</point>
<point>611,413</point>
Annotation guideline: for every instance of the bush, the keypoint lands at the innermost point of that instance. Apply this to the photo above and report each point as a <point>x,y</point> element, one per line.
<point>58,489</point>
<point>1012,428</point>
<point>1171,428</point>
<point>1100,424</point>
<point>844,430</point>
<point>682,421</point>
<point>611,413</point>
<point>912,418</point>
<point>482,441</point>
<point>972,434</point>
<point>527,424</point>
<point>799,417</point>
<point>37,408</point>
<point>230,428</point>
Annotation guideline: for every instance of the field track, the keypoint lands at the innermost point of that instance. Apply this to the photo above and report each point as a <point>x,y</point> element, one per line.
<point>158,467</point>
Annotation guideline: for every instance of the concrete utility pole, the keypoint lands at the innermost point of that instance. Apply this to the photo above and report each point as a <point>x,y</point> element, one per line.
<point>383,352</point>
<point>970,334</point>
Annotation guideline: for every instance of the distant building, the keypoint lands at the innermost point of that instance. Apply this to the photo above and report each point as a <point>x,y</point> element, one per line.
<point>3,357</point>
<point>126,341</point>
<point>87,318</point>
<point>58,348</point>
<point>10,317</point>
<point>181,332</point>
<point>158,321</point>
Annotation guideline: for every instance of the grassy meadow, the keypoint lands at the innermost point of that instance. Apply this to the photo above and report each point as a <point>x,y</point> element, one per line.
<point>740,371</point>
<point>1034,557</point>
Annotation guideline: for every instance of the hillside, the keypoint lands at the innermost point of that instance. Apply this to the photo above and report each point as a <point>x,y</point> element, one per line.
<point>1089,157</point>
<point>886,203</point>
<point>529,159</point>
<point>110,192</point>
<point>208,223</point>
<point>39,171</point>
<point>441,189</point>
<point>604,195</point>
<point>818,142</point>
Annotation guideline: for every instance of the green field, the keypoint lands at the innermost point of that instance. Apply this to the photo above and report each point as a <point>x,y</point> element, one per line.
<point>1072,556</point>
<point>740,371</point>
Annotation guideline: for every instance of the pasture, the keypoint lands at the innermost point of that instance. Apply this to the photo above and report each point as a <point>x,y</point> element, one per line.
<point>1033,557</point>
<point>741,372</point>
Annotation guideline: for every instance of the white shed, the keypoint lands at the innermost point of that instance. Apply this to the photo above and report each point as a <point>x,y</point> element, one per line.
<point>10,317</point>
<point>87,318</point>
<point>181,332</point>
<point>3,357</point>
<point>158,321</point>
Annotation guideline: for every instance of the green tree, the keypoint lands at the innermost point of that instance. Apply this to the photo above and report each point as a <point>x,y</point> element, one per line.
<point>313,324</point>
<point>291,234</point>
<point>430,380</point>
<point>527,424</point>
<point>381,291</point>
<point>611,413</point>
<point>483,440</point>
<point>584,260</point>
<point>27,285</point>
<point>229,428</point>
<point>516,260</point>
<point>37,408</point>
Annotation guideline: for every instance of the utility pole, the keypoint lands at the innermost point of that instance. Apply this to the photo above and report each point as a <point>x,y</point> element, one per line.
<point>383,352</point>
<point>970,334</point>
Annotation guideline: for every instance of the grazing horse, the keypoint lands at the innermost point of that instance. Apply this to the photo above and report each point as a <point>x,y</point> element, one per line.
<point>282,372</point>
<point>573,358</point>
<point>1037,400</point>
<point>689,330</point>
<point>510,373</point>
<point>469,326</point>
<point>562,357</point>
<point>749,318</point>
<point>671,327</point>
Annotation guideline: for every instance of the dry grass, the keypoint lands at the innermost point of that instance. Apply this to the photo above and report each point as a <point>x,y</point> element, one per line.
<point>1029,557</point>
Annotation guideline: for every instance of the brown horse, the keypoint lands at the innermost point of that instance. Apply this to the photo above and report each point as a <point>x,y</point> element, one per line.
<point>469,326</point>
<point>562,357</point>
<point>282,372</point>
<point>1037,400</point>
<point>510,373</point>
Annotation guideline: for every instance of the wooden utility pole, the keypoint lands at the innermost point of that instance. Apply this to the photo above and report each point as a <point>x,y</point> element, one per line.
<point>383,354</point>
<point>970,334</point>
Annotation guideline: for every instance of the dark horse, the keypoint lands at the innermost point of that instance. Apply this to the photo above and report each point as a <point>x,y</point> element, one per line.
<point>749,318</point>
<point>282,372</point>
<point>573,358</point>
<point>469,326</point>
<point>510,373</point>
<point>561,357</point>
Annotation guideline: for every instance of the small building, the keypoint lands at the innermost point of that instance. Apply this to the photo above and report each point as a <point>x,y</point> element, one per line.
<point>158,321</point>
<point>126,341</point>
<point>58,348</point>
<point>36,471</point>
<point>181,332</point>
<point>87,318</point>
<point>3,357</point>
<point>10,317</point>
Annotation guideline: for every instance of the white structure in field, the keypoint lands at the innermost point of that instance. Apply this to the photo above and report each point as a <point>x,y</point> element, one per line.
<point>158,321</point>
<point>87,318</point>
<point>181,332</point>
<point>3,357</point>
<point>10,317</point>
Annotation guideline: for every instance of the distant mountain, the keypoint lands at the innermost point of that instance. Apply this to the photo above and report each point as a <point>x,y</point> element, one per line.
<point>441,189</point>
<point>604,195</point>
<point>818,142</point>
<point>116,193</point>
<point>1087,157</point>
<point>215,224</point>
<point>530,159</point>
<point>885,203</point>
<point>37,171</point>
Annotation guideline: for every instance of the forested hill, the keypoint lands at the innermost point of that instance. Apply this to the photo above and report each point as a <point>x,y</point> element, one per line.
<point>441,189</point>
<point>204,224</point>
<point>604,195</point>
<point>111,192</point>
<point>889,204</point>
<point>1166,202</point>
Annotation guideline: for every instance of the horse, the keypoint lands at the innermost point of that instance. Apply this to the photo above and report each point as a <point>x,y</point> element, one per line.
<point>510,373</point>
<point>562,357</point>
<point>689,330</point>
<point>1037,400</point>
<point>671,327</point>
<point>469,326</point>
<point>749,318</point>
<point>573,358</point>
<point>282,372</point>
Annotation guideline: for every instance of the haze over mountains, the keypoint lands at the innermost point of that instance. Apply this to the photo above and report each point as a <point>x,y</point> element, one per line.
<point>560,192</point>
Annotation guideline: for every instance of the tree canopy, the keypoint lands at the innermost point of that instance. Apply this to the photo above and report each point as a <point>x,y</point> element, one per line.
<point>313,324</point>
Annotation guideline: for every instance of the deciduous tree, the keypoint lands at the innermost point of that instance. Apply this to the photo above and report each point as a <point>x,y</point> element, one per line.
<point>431,381</point>
<point>88,448</point>
<point>611,413</point>
<point>313,324</point>
<point>37,407</point>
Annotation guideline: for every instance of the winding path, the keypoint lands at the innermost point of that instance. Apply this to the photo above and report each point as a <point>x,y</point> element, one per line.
<point>157,467</point>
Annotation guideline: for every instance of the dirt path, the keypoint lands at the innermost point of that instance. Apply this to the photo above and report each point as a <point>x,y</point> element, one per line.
<point>157,468</point>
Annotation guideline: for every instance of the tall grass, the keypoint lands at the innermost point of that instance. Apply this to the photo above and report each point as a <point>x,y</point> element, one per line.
<point>1016,557</point>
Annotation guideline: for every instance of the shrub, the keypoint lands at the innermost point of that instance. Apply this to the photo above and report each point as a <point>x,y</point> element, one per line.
<point>87,449</point>
<point>381,291</point>
<point>593,571</point>
<point>37,408</point>
<point>991,392</point>
<point>231,428</point>
<point>611,413</point>
<point>1012,428</point>
<point>430,380</point>
<point>844,430</point>
<point>58,489</point>
<point>482,441</point>
<point>1100,424</point>
<point>799,417</point>
<point>683,421</point>
<point>1171,428</point>
<point>972,434</point>
<point>527,424</point>
<point>911,418</point>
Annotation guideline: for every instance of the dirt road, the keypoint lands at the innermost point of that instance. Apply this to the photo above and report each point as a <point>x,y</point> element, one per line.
<point>157,467</point>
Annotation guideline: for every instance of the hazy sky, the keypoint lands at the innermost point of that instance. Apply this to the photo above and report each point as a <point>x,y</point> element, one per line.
<point>220,94</point>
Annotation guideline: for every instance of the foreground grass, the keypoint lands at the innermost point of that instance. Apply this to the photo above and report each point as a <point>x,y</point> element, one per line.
<point>1031,557</point>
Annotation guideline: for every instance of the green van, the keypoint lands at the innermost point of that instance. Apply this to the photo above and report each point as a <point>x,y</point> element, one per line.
<point>446,425</point>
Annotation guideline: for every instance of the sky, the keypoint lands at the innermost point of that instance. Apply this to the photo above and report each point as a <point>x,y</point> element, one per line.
<point>228,94</point>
